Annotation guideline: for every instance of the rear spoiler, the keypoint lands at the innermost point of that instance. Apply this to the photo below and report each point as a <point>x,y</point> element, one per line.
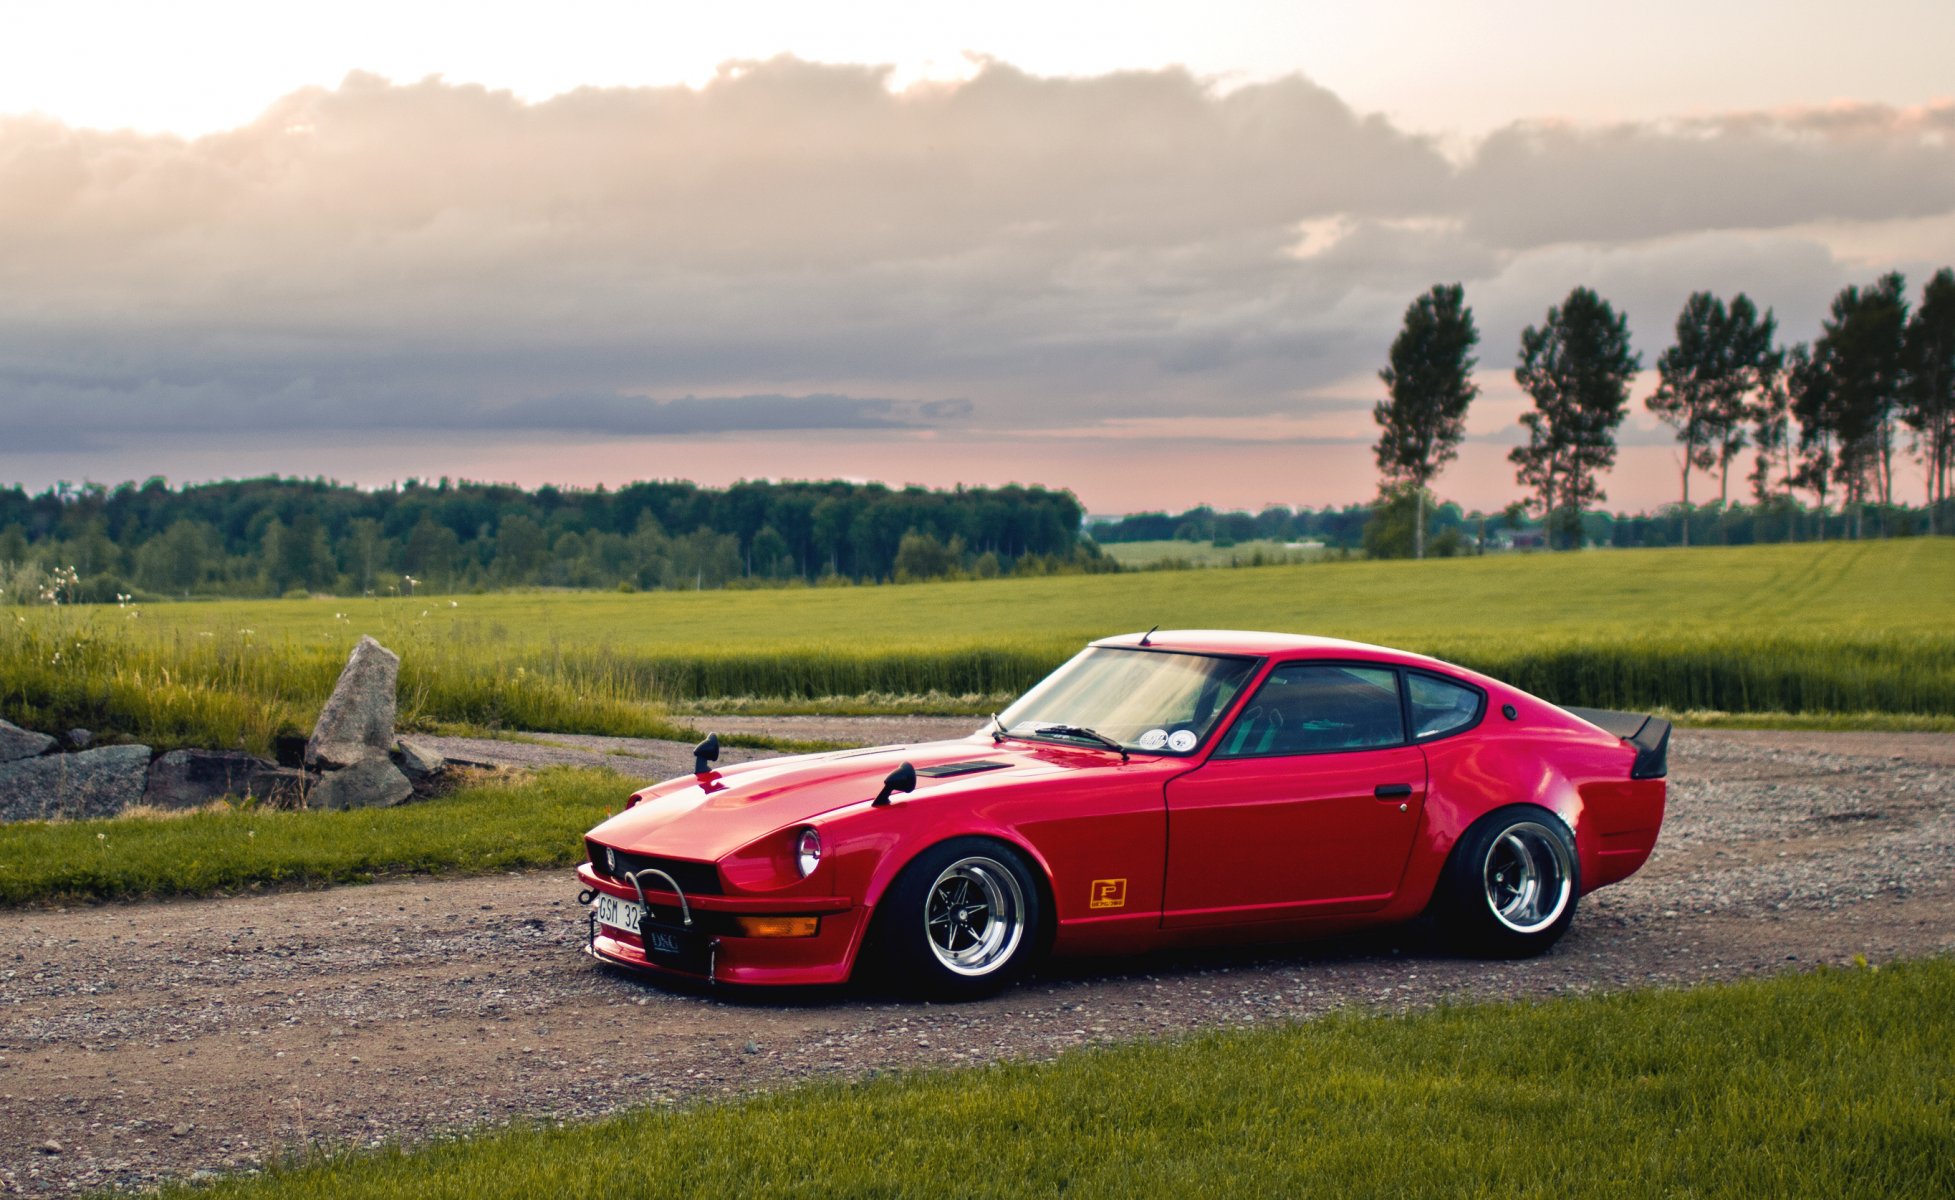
<point>1650,735</point>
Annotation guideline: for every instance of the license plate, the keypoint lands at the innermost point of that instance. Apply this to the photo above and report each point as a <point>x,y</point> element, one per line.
<point>628,915</point>
<point>669,945</point>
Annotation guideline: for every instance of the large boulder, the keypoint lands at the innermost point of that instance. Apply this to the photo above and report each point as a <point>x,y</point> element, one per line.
<point>93,783</point>
<point>194,778</point>
<point>374,783</point>
<point>16,743</point>
<point>357,723</point>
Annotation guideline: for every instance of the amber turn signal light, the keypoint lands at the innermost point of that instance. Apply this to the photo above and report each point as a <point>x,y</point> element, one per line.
<point>777,927</point>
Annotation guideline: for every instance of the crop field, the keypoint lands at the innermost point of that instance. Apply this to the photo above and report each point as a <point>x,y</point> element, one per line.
<point>1828,1084</point>
<point>1839,628</point>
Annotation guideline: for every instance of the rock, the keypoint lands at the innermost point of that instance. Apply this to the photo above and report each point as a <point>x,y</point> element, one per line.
<point>358,721</point>
<point>194,778</point>
<point>16,742</point>
<point>80,738</point>
<point>419,761</point>
<point>375,783</point>
<point>93,783</point>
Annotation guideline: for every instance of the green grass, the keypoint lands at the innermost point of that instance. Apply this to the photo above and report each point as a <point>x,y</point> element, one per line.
<point>1830,1084</point>
<point>537,821</point>
<point>1208,554</point>
<point>1833,628</point>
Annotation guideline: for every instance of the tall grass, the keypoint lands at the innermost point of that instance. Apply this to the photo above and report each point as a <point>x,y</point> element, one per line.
<point>501,825</point>
<point>1832,1084</point>
<point>1864,627</point>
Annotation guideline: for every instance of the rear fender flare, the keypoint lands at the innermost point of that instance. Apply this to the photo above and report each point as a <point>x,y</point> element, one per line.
<point>1509,774</point>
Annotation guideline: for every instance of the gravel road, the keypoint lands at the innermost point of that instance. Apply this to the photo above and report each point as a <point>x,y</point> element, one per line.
<point>148,1041</point>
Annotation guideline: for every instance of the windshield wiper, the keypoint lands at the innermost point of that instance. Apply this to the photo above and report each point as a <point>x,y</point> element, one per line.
<point>998,731</point>
<point>1091,735</point>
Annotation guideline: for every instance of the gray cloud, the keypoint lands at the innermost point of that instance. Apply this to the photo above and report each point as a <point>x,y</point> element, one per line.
<point>794,246</point>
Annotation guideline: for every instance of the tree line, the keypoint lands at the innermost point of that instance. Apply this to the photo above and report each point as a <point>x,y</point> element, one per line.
<point>271,537</point>
<point>1824,418</point>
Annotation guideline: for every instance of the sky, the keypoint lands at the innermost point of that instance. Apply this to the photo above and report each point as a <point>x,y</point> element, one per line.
<point>1154,253</point>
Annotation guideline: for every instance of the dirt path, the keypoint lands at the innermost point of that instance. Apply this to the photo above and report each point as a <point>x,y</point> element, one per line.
<point>139,1042</point>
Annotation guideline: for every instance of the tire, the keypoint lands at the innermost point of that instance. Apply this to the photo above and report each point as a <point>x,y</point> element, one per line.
<point>1511,884</point>
<point>961,921</point>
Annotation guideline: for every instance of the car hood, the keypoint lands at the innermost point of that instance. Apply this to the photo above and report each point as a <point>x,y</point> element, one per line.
<point>705,817</point>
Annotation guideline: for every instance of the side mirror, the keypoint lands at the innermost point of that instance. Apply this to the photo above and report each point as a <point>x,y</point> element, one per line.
<point>902,779</point>
<point>705,754</point>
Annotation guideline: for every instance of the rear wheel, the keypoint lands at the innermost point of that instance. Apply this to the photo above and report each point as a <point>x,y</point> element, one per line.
<point>961,921</point>
<point>1510,887</point>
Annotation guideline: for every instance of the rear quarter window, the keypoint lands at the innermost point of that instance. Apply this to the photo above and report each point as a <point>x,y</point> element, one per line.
<point>1441,706</point>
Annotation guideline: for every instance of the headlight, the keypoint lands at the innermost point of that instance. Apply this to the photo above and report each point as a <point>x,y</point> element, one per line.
<point>807,852</point>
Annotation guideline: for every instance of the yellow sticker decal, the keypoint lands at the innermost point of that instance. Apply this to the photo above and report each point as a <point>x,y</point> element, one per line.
<point>1108,893</point>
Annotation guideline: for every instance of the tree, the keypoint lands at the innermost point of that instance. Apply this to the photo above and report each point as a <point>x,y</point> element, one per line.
<point>1576,367</point>
<point>1859,353</point>
<point>1430,384</point>
<point>1771,424</point>
<point>1722,357</point>
<point>1929,395</point>
<point>1809,396</point>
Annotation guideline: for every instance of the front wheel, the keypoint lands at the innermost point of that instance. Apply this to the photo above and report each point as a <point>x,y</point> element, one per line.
<point>961,921</point>
<point>1510,886</point>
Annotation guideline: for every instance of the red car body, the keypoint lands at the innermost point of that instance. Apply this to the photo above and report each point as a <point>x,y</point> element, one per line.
<point>1131,851</point>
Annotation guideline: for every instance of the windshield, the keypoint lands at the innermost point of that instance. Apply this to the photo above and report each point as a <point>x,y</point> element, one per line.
<point>1149,700</point>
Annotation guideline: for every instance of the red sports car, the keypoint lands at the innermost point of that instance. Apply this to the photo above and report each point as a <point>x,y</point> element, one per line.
<point>1157,790</point>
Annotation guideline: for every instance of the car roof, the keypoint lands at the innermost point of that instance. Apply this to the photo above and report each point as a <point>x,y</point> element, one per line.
<point>1237,641</point>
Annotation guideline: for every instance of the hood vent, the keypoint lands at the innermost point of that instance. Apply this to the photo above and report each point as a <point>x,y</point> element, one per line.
<point>969,767</point>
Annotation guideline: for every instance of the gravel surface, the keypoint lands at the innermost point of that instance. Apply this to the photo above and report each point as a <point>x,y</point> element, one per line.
<point>143,1042</point>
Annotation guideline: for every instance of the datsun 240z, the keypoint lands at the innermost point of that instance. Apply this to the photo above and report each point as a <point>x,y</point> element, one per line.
<point>1156,790</point>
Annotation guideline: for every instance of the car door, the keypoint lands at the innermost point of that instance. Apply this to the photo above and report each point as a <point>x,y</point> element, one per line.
<point>1308,805</point>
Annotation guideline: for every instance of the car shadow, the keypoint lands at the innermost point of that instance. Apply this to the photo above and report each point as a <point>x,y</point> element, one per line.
<point>1399,943</point>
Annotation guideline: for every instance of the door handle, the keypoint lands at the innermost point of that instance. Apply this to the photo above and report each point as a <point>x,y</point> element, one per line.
<point>1392,791</point>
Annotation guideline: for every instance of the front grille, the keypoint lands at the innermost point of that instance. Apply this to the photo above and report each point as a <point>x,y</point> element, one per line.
<point>695,878</point>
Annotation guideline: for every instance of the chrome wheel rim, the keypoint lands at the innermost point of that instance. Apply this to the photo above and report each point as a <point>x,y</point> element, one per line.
<point>974,916</point>
<point>1528,877</point>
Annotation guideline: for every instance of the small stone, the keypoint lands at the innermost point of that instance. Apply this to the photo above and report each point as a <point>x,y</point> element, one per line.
<point>181,1131</point>
<point>80,738</point>
<point>16,742</point>
<point>50,1147</point>
<point>753,1047</point>
<point>375,783</point>
<point>419,761</point>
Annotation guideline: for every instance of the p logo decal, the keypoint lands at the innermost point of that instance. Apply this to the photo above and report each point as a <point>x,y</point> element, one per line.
<point>1108,893</point>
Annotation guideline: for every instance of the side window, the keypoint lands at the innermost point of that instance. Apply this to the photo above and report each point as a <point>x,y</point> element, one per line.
<point>1440,706</point>
<point>1315,708</point>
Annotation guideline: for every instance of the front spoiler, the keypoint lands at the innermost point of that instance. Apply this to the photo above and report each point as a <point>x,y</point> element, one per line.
<point>824,958</point>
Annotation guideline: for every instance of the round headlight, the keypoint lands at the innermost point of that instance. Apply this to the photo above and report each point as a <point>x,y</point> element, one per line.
<point>807,853</point>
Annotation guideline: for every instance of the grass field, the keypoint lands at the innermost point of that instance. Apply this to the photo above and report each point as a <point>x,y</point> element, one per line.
<point>538,821</point>
<point>1838,628</point>
<point>1831,1084</point>
<point>1208,554</point>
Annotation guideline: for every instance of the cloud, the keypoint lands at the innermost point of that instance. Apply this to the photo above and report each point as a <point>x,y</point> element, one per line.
<point>800,247</point>
<point>1536,183</point>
